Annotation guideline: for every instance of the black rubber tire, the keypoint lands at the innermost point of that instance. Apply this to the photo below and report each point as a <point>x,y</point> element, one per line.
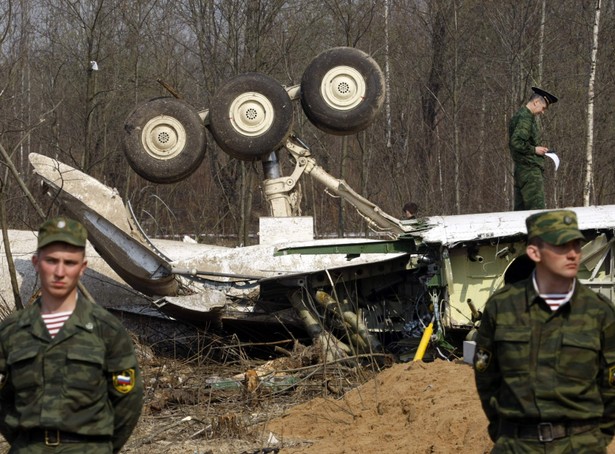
<point>165,140</point>
<point>251,116</point>
<point>342,90</point>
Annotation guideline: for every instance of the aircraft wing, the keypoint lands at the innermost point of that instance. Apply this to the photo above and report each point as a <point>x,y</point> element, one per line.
<point>105,217</point>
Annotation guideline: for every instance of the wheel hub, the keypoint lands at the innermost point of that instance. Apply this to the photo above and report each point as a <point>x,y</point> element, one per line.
<point>343,88</point>
<point>163,137</point>
<point>251,114</point>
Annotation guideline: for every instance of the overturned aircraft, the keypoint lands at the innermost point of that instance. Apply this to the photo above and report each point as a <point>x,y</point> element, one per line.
<point>441,267</point>
<point>438,270</point>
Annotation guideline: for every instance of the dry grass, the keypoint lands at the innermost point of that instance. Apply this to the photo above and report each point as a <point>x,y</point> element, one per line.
<point>217,398</point>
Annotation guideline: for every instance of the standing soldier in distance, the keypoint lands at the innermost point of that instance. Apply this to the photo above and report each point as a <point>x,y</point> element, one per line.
<point>527,153</point>
<point>70,382</point>
<point>545,351</point>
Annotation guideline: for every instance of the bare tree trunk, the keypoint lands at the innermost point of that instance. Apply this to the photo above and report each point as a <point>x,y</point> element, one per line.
<point>247,177</point>
<point>243,205</point>
<point>541,53</point>
<point>249,195</point>
<point>588,185</point>
<point>90,107</point>
<point>481,140</point>
<point>456,154</point>
<point>341,215</point>
<point>366,158</point>
<point>431,108</point>
<point>541,44</point>
<point>7,244</point>
<point>387,75</point>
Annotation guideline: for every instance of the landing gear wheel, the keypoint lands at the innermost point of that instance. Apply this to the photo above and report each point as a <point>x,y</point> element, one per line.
<point>342,90</point>
<point>165,140</point>
<point>251,116</point>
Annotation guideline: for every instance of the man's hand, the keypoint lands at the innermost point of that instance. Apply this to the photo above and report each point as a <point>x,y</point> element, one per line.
<point>540,151</point>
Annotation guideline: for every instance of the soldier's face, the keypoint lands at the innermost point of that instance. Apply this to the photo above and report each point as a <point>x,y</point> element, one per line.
<point>539,106</point>
<point>59,266</point>
<point>558,261</point>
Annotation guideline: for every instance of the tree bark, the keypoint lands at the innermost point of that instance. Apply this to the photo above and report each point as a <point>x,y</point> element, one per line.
<point>7,244</point>
<point>588,185</point>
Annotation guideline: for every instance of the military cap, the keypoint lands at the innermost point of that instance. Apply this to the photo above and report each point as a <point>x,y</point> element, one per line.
<point>555,227</point>
<point>548,97</point>
<point>61,229</point>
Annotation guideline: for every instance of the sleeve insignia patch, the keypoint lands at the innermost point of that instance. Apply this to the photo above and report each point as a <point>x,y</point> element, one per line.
<point>612,377</point>
<point>124,381</point>
<point>482,359</point>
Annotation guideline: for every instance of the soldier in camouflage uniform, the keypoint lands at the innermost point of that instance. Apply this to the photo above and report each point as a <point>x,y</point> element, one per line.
<point>545,351</point>
<point>527,153</point>
<point>70,382</point>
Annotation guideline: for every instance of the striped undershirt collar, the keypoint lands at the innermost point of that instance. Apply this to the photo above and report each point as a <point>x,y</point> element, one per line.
<point>54,322</point>
<point>554,300</point>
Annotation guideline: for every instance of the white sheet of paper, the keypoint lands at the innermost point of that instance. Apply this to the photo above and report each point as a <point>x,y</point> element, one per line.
<point>555,159</point>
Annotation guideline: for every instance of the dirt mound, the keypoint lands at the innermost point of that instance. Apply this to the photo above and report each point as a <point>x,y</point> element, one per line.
<point>415,407</point>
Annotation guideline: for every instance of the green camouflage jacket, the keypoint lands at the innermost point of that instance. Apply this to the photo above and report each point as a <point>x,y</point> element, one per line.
<point>524,136</point>
<point>86,380</point>
<point>533,365</point>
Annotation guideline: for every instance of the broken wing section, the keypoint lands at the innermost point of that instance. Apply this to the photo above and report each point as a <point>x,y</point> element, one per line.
<point>107,221</point>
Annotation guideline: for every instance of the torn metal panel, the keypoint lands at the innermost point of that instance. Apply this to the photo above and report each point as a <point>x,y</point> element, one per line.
<point>261,260</point>
<point>450,230</point>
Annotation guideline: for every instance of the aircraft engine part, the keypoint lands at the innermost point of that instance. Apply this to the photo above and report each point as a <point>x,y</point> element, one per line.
<point>352,322</point>
<point>332,349</point>
<point>165,140</point>
<point>473,255</point>
<point>342,90</point>
<point>251,116</point>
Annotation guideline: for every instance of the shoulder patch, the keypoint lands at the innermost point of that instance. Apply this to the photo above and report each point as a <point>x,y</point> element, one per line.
<point>612,377</point>
<point>124,381</point>
<point>482,359</point>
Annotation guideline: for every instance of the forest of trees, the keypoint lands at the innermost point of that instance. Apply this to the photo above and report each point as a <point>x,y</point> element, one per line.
<point>456,71</point>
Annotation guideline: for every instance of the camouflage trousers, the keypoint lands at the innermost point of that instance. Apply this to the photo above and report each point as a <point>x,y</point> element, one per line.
<point>22,446</point>
<point>590,442</point>
<point>529,188</point>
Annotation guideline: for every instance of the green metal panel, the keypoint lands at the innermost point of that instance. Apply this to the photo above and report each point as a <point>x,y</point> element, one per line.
<point>371,247</point>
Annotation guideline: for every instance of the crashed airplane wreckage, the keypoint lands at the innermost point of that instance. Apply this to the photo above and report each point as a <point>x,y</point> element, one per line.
<point>442,268</point>
<point>348,294</point>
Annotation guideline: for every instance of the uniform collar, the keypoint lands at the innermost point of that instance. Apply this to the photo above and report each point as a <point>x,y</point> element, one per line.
<point>81,318</point>
<point>530,290</point>
<point>532,296</point>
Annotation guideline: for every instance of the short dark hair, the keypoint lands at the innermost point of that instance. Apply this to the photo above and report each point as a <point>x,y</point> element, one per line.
<point>537,96</point>
<point>536,241</point>
<point>411,207</point>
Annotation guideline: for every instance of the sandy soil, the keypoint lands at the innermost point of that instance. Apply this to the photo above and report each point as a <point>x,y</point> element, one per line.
<point>416,407</point>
